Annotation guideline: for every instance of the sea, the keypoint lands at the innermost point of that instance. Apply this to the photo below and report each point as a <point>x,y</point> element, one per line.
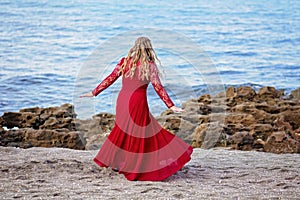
<point>51,52</point>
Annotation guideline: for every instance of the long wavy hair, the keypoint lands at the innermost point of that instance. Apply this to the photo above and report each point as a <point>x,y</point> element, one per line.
<point>143,52</point>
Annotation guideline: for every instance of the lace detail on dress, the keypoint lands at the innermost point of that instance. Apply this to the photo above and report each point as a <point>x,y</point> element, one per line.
<point>160,90</point>
<point>110,79</point>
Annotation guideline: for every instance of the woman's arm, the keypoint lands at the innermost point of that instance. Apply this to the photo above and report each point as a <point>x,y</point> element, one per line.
<point>109,80</point>
<point>160,90</point>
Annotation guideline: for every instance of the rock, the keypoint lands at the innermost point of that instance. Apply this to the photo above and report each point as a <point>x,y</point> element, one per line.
<point>240,118</point>
<point>20,120</point>
<point>296,135</point>
<point>206,99</point>
<point>263,117</point>
<point>208,136</point>
<point>94,142</point>
<point>1,129</point>
<point>241,140</point>
<point>58,123</point>
<point>261,131</point>
<point>178,126</point>
<point>28,137</point>
<point>167,112</point>
<point>280,142</point>
<point>185,130</point>
<point>248,118</point>
<point>237,118</point>
<point>231,129</point>
<point>195,119</point>
<point>272,109</point>
<point>295,94</point>
<point>40,118</point>
<point>196,107</point>
<point>282,125</point>
<point>293,117</point>
<point>230,92</point>
<point>89,126</point>
<point>45,127</point>
<point>35,110</point>
<point>106,121</point>
<point>269,92</point>
<point>245,93</point>
<point>245,107</point>
<point>199,135</point>
<point>63,114</point>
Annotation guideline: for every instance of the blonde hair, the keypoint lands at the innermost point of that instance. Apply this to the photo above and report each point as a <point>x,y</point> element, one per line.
<point>142,51</point>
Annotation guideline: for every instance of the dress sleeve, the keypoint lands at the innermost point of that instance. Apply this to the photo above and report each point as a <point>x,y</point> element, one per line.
<point>110,79</point>
<point>160,90</point>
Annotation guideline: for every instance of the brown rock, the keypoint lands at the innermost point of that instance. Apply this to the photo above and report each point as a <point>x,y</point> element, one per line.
<point>218,108</point>
<point>269,92</point>
<point>58,123</point>
<point>185,130</point>
<point>261,131</point>
<point>280,142</point>
<point>231,129</point>
<point>251,118</point>
<point>195,118</point>
<point>295,94</point>
<point>293,117</point>
<point>94,142</point>
<point>177,125</point>
<point>262,117</point>
<point>45,118</point>
<point>89,127</point>
<point>241,141</point>
<point>196,107</point>
<point>35,110</point>
<point>244,119</point>
<point>281,125</point>
<point>106,121</point>
<point>1,129</point>
<point>20,120</point>
<point>245,93</point>
<point>171,122</point>
<point>230,92</point>
<point>167,112</point>
<point>64,111</point>
<point>245,107</point>
<point>199,136</point>
<point>208,136</point>
<point>190,106</point>
<point>28,137</point>
<point>206,99</point>
<point>272,109</point>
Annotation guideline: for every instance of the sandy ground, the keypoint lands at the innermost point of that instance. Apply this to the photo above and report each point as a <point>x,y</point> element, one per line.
<point>54,173</point>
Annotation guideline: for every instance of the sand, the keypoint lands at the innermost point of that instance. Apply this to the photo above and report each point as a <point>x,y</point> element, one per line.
<point>57,173</point>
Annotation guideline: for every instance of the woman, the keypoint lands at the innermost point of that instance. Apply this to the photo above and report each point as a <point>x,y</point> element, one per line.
<point>138,146</point>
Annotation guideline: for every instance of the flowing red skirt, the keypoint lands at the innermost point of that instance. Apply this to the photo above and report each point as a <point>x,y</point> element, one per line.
<point>138,146</point>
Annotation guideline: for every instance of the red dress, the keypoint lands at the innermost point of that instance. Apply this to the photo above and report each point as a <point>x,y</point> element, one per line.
<point>138,146</point>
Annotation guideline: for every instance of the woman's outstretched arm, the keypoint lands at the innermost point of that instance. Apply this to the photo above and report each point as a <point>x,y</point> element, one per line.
<point>109,80</point>
<point>160,90</point>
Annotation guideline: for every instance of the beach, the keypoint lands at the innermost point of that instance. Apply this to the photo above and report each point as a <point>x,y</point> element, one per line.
<point>232,66</point>
<point>47,153</point>
<point>59,173</point>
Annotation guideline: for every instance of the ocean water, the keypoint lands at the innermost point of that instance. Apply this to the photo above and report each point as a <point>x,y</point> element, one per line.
<point>48,48</point>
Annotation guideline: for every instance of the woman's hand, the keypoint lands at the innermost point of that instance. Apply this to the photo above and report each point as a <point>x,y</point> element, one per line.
<point>176,109</point>
<point>89,94</point>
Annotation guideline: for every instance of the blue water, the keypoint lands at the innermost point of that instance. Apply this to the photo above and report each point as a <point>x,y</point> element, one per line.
<point>45,45</point>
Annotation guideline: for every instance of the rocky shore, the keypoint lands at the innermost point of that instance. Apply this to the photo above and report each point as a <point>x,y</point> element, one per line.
<point>240,118</point>
<point>264,123</point>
